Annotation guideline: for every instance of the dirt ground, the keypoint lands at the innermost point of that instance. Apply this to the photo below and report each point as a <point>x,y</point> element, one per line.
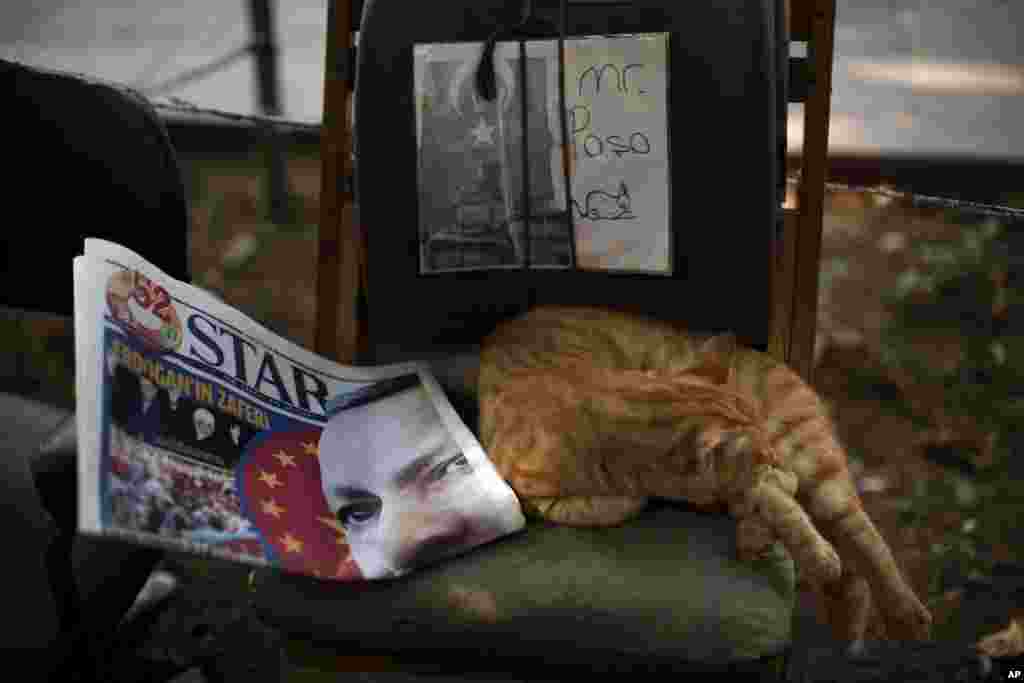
<point>867,242</point>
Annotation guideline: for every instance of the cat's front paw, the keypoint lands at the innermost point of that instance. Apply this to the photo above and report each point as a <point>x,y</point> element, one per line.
<point>587,511</point>
<point>754,539</point>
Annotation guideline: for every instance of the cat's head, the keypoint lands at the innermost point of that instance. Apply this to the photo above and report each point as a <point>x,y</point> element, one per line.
<point>714,358</point>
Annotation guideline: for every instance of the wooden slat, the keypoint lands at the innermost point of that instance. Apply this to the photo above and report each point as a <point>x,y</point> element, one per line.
<point>801,18</point>
<point>782,286</point>
<point>340,247</point>
<point>811,191</point>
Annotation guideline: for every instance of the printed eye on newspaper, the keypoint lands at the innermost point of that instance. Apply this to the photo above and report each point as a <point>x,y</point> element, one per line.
<point>202,431</point>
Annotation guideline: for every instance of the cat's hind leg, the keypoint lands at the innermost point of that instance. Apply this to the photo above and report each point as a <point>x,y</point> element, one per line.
<point>845,607</point>
<point>842,594</point>
<point>865,554</point>
<point>760,496</point>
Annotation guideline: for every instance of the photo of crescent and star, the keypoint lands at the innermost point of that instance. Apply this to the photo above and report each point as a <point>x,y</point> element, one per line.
<point>483,133</point>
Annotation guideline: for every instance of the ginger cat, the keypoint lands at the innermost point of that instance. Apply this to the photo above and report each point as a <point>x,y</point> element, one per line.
<point>587,413</point>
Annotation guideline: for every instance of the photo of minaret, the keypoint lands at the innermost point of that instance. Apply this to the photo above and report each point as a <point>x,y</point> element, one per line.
<point>471,164</point>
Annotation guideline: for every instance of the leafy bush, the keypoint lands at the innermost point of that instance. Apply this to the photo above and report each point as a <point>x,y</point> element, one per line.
<point>971,291</point>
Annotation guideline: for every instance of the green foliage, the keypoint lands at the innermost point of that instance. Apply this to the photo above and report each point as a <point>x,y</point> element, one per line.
<point>217,227</point>
<point>38,359</point>
<point>958,293</point>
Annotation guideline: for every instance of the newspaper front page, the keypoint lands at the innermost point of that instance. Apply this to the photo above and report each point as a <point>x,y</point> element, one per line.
<point>202,431</point>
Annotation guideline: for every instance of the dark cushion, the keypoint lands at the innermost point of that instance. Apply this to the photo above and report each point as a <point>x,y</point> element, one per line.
<point>55,575</point>
<point>666,586</point>
<point>89,160</point>
<point>24,524</point>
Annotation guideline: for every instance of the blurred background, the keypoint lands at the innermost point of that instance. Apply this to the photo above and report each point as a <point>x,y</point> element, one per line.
<point>920,349</point>
<point>936,78</point>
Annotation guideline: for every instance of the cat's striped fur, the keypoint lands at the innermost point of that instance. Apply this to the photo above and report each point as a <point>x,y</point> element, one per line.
<point>588,412</point>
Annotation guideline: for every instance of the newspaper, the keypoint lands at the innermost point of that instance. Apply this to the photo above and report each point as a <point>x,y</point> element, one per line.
<point>202,431</point>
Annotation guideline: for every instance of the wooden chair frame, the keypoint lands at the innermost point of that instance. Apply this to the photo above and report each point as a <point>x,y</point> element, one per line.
<point>341,280</point>
<point>798,248</point>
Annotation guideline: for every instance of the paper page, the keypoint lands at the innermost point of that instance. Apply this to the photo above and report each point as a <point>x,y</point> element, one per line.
<point>200,430</point>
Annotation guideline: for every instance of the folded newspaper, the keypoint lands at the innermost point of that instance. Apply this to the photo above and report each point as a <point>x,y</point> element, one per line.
<point>202,431</point>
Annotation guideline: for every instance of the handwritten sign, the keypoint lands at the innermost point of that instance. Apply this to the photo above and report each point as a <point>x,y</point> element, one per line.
<point>471,156</point>
<point>616,99</point>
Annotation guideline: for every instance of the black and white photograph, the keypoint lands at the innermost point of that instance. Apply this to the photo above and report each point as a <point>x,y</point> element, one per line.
<point>137,404</point>
<point>201,430</point>
<point>471,161</point>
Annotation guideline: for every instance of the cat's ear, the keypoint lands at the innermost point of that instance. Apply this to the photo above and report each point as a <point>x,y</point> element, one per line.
<point>718,344</point>
<point>714,370</point>
<point>715,354</point>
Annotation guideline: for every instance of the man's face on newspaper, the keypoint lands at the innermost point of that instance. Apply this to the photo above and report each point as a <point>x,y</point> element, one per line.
<point>400,485</point>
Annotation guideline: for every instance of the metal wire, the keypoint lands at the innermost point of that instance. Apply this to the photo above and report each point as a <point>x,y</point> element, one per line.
<point>174,107</point>
<point>925,201</point>
<point>201,72</point>
<point>214,35</point>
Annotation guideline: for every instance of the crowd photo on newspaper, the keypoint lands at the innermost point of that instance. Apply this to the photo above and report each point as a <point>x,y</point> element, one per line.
<point>203,431</point>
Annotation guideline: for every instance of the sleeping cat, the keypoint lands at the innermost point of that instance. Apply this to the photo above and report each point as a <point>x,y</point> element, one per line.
<point>587,413</point>
<point>601,205</point>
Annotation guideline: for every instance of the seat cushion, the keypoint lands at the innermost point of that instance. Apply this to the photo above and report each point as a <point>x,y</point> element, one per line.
<point>39,523</point>
<point>664,587</point>
<point>24,523</point>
